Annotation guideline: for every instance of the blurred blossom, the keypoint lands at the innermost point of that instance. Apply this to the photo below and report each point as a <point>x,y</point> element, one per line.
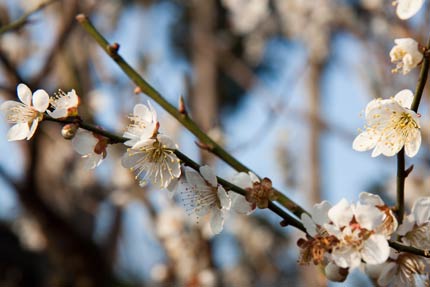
<point>207,278</point>
<point>98,102</point>
<point>30,234</point>
<point>309,22</point>
<point>15,46</point>
<point>159,273</point>
<point>246,14</point>
<point>407,8</point>
<point>120,197</point>
<point>372,4</point>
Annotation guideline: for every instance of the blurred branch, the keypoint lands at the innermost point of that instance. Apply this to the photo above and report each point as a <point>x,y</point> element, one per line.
<point>61,40</point>
<point>23,20</point>
<point>10,69</point>
<point>184,119</point>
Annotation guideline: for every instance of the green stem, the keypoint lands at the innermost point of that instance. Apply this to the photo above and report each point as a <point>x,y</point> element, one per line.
<point>183,118</point>
<point>401,173</point>
<point>21,21</point>
<point>113,139</point>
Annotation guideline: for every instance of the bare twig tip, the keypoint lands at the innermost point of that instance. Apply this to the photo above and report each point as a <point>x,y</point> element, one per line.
<point>81,18</point>
<point>181,107</point>
<point>409,170</point>
<point>137,90</point>
<point>202,145</point>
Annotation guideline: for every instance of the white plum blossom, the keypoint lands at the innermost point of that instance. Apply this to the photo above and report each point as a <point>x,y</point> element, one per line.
<point>204,196</point>
<point>91,147</point>
<point>390,126</point>
<point>415,229</point>
<point>238,202</point>
<point>405,54</point>
<point>355,225</point>
<point>64,104</point>
<point>25,115</point>
<point>143,127</point>
<point>154,161</point>
<point>407,8</point>
<point>151,155</point>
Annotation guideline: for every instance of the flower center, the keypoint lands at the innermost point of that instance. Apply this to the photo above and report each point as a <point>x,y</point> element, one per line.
<point>22,114</point>
<point>403,123</point>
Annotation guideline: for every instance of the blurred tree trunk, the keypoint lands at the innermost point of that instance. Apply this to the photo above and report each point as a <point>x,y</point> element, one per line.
<point>314,168</point>
<point>203,102</point>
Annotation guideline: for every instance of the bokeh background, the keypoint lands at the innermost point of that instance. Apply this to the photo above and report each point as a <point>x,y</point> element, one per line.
<point>280,83</point>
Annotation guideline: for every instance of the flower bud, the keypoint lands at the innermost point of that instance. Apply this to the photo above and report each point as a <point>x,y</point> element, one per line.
<point>335,273</point>
<point>69,131</point>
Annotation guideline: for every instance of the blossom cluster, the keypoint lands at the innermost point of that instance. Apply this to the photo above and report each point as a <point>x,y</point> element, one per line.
<point>347,236</point>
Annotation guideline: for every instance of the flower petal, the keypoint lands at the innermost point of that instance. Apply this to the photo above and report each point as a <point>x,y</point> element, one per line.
<point>309,224</point>
<point>405,98</point>
<point>24,94</point>
<point>242,179</point>
<point>421,210</point>
<point>40,100</point>
<point>209,175</point>
<point>240,204</point>
<point>341,214</point>
<point>33,128</point>
<point>408,8</point>
<point>223,198</point>
<point>319,212</point>
<point>84,142</point>
<point>193,177</point>
<point>388,273</point>
<point>413,144</point>
<point>365,140</point>
<point>57,113</point>
<point>375,249</point>
<point>217,221</point>
<point>18,131</point>
<point>370,198</point>
<point>368,216</point>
